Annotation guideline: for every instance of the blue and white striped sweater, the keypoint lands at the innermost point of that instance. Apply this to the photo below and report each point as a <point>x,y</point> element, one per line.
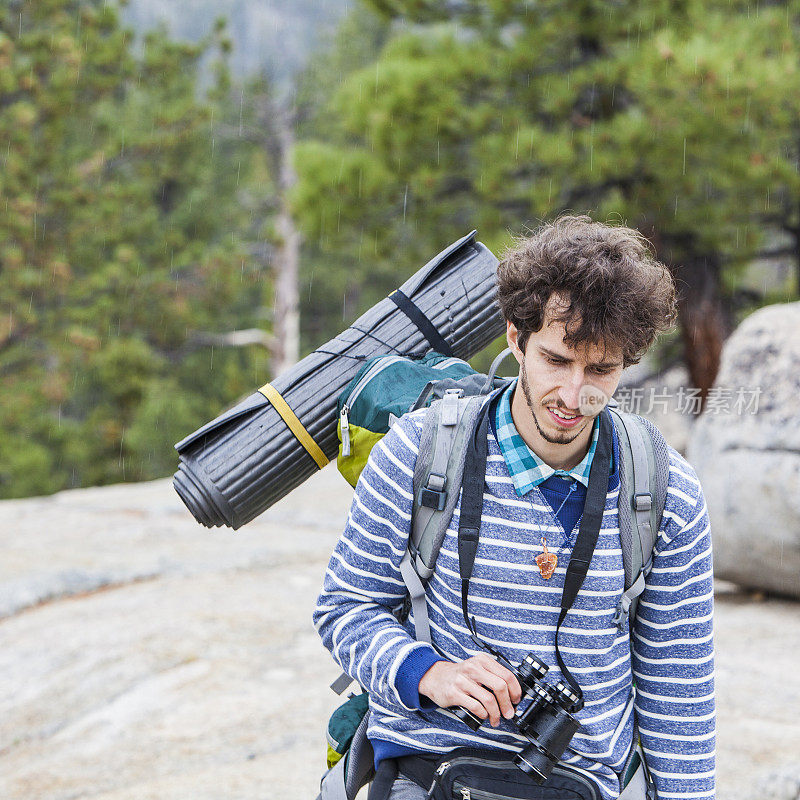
<point>516,611</point>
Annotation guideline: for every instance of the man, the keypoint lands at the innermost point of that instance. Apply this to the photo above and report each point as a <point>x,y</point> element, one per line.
<point>582,300</point>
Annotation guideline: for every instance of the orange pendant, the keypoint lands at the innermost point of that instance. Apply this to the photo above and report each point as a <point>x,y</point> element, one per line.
<point>546,561</point>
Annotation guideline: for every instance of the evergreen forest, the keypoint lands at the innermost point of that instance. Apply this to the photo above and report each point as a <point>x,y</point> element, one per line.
<point>174,232</point>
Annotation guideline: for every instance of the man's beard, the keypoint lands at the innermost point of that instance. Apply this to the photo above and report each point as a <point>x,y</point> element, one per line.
<point>560,438</point>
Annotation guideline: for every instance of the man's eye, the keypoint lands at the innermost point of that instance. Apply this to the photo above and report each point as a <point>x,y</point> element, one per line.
<point>555,360</point>
<point>601,370</point>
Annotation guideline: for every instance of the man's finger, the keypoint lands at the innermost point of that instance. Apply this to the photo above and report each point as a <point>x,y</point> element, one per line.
<point>488,701</point>
<point>471,704</point>
<point>514,689</point>
<point>501,691</point>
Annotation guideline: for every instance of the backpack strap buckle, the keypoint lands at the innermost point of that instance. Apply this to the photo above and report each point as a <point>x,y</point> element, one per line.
<point>449,410</point>
<point>628,596</point>
<point>433,495</point>
<point>623,607</point>
<point>643,501</point>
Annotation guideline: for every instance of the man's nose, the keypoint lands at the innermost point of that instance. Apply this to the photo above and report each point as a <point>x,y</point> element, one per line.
<point>569,393</point>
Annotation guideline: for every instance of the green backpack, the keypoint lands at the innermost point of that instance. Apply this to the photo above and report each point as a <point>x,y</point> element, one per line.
<point>386,388</point>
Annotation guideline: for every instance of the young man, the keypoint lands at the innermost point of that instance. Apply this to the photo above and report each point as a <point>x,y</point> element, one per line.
<point>582,300</point>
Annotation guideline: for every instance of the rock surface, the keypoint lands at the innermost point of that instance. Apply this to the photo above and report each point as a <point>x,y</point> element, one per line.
<point>749,463</point>
<point>144,657</point>
<point>783,785</point>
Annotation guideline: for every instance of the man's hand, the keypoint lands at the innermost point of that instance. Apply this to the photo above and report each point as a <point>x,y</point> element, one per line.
<point>479,684</point>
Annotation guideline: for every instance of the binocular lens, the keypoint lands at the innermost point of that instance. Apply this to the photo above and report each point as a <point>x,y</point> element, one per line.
<point>534,764</point>
<point>531,669</point>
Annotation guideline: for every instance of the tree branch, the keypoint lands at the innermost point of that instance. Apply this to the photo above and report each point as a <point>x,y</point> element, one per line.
<point>242,338</point>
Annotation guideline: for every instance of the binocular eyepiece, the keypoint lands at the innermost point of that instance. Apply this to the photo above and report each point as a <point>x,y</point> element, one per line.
<point>545,721</point>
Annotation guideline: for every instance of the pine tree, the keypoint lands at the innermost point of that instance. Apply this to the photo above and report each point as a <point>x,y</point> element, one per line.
<point>678,118</point>
<point>119,245</point>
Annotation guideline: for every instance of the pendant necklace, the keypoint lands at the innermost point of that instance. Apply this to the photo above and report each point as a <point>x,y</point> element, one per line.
<point>548,561</point>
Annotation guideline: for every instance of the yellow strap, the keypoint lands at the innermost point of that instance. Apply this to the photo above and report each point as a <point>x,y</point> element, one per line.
<point>295,426</point>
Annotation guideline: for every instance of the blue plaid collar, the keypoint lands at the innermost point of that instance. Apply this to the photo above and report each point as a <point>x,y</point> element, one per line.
<point>525,467</point>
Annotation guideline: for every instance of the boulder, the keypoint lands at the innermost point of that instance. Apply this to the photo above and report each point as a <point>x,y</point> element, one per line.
<point>746,450</point>
<point>660,397</point>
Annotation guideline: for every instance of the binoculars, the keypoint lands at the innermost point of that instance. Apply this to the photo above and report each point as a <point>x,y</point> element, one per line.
<point>545,721</point>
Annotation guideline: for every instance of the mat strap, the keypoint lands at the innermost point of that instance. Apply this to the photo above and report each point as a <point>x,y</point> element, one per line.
<point>425,326</point>
<point>294,424</point>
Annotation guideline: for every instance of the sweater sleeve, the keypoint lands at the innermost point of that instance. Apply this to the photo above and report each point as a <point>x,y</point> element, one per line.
<point>363,585</point>
<point>673,649</point>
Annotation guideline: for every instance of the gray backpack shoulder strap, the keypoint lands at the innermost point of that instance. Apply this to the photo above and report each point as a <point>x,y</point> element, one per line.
<point>437,480</point>
<point>438,472</point>
<point>644,474</point>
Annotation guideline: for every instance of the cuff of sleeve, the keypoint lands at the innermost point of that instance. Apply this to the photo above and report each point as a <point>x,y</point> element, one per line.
<point>410,673</point>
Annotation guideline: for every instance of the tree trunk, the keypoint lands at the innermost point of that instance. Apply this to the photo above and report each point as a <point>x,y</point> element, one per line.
<point>796,233</point>
<point>704,322</point>
<point>286,319</point>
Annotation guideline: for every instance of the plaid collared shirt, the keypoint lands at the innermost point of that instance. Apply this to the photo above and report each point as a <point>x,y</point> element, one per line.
<point>525,467</point>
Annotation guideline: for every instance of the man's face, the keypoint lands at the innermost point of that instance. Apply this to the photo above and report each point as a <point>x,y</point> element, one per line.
<point>557,379</point>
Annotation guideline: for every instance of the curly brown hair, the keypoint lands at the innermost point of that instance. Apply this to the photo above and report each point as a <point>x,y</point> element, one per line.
<point>615,292</point>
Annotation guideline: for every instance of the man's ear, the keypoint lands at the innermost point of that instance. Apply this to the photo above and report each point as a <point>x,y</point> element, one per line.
<point>512,337</point>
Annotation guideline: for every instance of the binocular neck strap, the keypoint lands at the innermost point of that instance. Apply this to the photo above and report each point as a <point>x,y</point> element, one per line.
<point>591,522</point>
<point>470,523</point>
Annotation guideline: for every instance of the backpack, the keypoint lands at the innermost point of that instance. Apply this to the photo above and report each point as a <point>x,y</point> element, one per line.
<point>454,399</point>
<point>384,389</point>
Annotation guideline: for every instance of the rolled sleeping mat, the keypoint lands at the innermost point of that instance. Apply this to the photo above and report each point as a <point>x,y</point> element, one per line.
<point>236,466</point>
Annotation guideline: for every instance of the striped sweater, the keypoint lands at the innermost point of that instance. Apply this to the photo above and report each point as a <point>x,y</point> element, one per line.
<point>516,611</point>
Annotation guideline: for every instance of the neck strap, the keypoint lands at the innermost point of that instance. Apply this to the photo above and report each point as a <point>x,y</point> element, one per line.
<point>470,523</point>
